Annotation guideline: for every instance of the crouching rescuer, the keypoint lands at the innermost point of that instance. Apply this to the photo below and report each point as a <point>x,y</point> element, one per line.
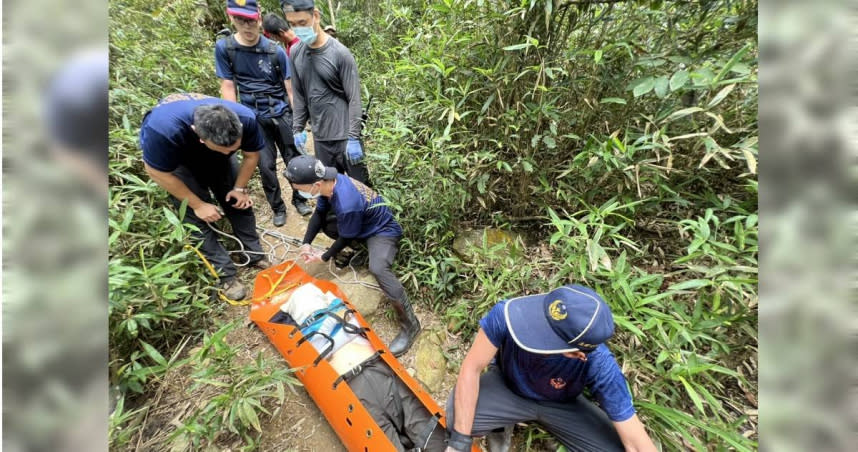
<point>359,215</point>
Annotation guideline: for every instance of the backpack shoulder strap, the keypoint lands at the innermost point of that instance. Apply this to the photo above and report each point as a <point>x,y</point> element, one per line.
<point>231,47</point>
<point>271,50</point>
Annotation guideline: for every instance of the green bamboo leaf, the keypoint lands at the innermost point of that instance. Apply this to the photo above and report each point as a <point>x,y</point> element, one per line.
<point>682,113</point>
<point>645,86</point>
<point>721,95</point>
<point>735,59</point>
<point>695,397</point>
<point>661,87</point>
<point>517,46</point>
<point>597,56</point>
<point>678,79</point>
<point>153,353</point>
<point>250,415</point>
<point>690,284</point>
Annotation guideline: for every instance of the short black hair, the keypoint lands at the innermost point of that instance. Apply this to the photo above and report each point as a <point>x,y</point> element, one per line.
<point>218,124</point>
<point>274,24</point>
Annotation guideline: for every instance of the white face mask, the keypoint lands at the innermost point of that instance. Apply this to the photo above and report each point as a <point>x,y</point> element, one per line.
<point>308,195</point>
<point>307,35</point>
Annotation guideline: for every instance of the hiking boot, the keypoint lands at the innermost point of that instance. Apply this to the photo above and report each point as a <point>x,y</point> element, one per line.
<point>343,258</point>
<point>356,259</point>
<point>279,218</point>
<point>409,327</point>
<point>233,289</point>
<point>261,264</point>
<point>500,440</point>
<point>303,209</point>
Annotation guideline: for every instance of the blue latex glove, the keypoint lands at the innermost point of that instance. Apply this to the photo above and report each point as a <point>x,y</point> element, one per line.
<point>301,141</point>
<point>354,152</point>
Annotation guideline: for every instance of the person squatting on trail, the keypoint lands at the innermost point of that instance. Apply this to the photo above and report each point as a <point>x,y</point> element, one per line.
<point>255,72</point>
<point>188,141</point>
<point>327,89</point>
<point>359,215</point>
<point>542,352</point>
<point>334,332</point>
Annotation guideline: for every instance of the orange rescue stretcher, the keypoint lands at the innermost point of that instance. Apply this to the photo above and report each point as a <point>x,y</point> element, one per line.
<point>340,406</point>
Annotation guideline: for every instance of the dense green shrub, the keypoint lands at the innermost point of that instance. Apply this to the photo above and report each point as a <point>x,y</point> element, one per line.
<point>619,138</point>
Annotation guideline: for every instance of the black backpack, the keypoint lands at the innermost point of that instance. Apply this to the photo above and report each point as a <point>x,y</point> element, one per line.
<point>232,47</point>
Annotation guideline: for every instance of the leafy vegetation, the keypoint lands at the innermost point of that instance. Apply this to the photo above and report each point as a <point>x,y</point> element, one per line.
<point>619,139</point>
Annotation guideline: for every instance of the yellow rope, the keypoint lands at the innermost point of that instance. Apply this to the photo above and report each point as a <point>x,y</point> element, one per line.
<point>205,261</point>
<point>270,293</point>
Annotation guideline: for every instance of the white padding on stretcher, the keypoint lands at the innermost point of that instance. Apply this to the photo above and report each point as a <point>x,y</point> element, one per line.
<point>306,300</point>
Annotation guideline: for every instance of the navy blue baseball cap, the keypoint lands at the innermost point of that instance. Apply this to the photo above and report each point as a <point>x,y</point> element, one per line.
<point>243,8</point>
<point>567,319</point>
<point>306,169</point>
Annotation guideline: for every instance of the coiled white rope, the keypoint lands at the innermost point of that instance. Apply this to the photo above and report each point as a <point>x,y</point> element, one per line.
<point>289,244</point>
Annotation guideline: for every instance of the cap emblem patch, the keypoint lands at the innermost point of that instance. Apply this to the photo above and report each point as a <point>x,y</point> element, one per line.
<point>557,310</point>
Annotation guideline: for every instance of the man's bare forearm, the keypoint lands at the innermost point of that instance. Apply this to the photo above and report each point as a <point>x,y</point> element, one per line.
<point>465,401</point>
<point>248,164</point>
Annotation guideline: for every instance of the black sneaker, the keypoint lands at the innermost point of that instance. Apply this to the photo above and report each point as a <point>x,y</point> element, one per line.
<point>356,259</point>
<point>343,259</point>
<point>279,219</point>
<point>303,209</point>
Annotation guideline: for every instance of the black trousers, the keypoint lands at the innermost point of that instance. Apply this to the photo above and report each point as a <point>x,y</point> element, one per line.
<point>278,137</point>
<point>333,153</point>
<point>402,417</point>
<point>578,424</point>
<point>382,252</point>
<point>218,177</point>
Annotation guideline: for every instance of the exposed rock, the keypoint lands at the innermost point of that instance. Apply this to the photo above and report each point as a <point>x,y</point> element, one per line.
<point>431,364</point>
<point>365,299</point>
<point>466,240</point>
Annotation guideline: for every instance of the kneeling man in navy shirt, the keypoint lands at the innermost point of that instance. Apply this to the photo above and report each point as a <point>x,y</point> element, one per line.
<point>359,215</point>
<point>543,351</point>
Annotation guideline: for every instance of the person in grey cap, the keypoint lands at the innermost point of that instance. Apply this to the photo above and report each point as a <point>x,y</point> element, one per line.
<point>325,88</point>
<point>360,215</point>
<point>544,350</point>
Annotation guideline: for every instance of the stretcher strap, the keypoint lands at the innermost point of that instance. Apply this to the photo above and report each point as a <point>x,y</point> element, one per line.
<point>324,352</point>
<point>351,328</point>
<point>314,320</point>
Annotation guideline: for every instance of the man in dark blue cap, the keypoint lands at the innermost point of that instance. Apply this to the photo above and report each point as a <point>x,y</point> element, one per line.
<point>255,72</point>
<point>544,350</point>
<point>326,89</point>
<point>360,215</point>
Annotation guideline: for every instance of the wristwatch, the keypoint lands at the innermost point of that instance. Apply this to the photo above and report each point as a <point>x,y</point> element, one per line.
<point>241,190</point>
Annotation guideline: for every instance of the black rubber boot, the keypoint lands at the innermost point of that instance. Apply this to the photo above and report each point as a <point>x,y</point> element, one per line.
<point>409,327</point>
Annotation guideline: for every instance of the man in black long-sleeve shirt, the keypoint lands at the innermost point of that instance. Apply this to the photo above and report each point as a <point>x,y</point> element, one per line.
<point>325,88</point>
